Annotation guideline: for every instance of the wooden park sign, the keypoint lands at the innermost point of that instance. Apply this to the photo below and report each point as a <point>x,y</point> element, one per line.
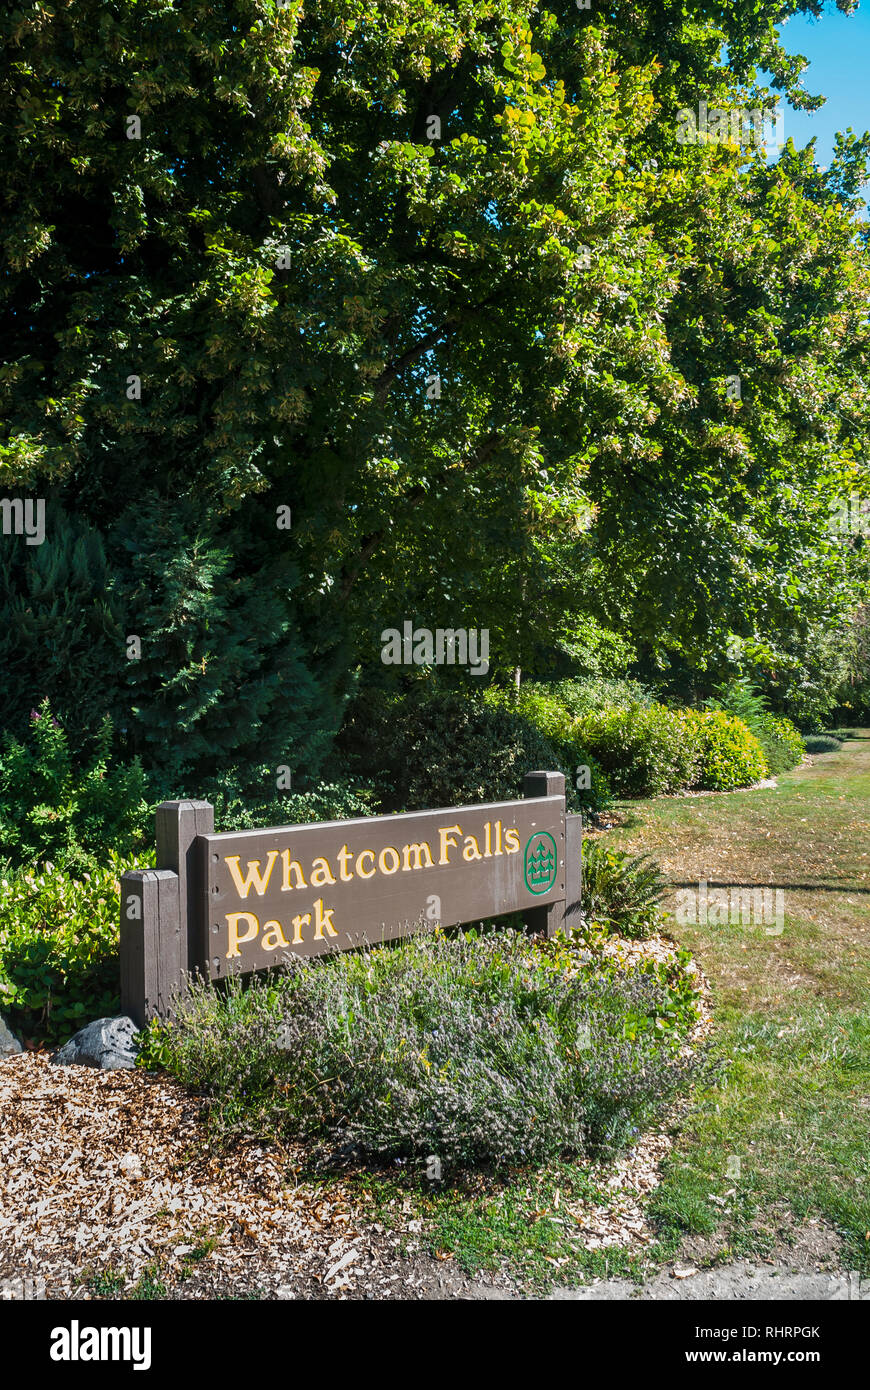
<point>241,901</point>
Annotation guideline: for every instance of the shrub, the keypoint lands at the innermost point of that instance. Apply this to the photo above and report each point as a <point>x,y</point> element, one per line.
<point>72,813</point>
<point>237,809</point>
<point>429,747</point>
<point>645,750</point>
<point>578,696</point>
<point>821,743</point>
<point>59,948</point>
<point>621,890</point>
<point>780,741</point>
<point>542,708</point>
<point>473,1048</point>
<point>730,755</point>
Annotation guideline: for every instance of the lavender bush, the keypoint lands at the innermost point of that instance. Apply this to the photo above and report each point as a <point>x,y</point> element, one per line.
<point>480,1049</point>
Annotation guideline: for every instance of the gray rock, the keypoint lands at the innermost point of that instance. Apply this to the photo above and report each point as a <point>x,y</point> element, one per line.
<point>9,1044</point>
<point>107,1043</point>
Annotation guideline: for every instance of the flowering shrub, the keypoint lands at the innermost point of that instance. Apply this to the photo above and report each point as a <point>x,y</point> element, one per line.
<point>476,1049</point>
<point>68,807</point>
<point>645,749</point>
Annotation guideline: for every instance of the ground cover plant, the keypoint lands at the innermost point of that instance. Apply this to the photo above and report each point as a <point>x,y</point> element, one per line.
<point>622,891</point>
<point>59,947</point>
<point>477,1048</point>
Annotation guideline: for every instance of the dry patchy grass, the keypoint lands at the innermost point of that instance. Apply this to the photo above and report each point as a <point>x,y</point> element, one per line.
<point>793,1010</point>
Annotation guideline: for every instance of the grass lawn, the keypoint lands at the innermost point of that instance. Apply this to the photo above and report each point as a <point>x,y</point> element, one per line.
<point>780,1138</point>
<point>792,1010</point>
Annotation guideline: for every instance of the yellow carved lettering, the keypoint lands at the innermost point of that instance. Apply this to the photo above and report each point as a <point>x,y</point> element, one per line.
<point>388,849</point>
<point>446,833</point>
<point>273,937</point>
<point>418,851</point>
<point>235,940</point>
<point>321,873</point>
<point>253,878</point>
<point>291,866</point>
<point>359,859</point>
<point>323,919</point>
<point>472,848</point>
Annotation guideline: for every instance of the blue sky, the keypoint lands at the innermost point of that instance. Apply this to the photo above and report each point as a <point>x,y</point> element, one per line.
<point>838,47</point>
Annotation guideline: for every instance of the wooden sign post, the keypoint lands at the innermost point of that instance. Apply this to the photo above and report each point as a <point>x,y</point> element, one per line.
<point>241,901</point>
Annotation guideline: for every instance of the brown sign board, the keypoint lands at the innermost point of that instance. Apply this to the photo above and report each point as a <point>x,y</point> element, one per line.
<point>309,889</point>
<point>241,901</point>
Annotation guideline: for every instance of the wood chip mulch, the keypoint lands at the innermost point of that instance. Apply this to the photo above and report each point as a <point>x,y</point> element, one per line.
<point>108,1173</point>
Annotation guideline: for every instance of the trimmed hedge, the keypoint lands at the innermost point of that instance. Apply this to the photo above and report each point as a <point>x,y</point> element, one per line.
<point>731,756</point>
<point>428,747</point>
<point>645,750</point>
<point>780,741</point>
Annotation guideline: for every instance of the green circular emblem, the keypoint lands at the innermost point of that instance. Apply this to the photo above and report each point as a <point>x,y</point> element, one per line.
<point>540,863</point>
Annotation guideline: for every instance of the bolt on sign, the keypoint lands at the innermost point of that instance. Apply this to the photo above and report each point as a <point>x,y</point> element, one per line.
<point>241,901</point>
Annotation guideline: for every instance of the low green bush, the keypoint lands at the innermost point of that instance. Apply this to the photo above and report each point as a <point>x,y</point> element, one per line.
<point>477,1049</point>
<point>780,741</point>
<point>821,743</point>
<point>59,947</point>
<point>235,809</point>
<point>579,696</point>
<point>730,755</point>
<point>542,708</point>
<point>429,747</point>
<point>68,810</point>
<point>644,749</point>
<point>620,890</point>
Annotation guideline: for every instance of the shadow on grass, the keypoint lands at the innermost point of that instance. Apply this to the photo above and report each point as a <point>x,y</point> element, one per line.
<point>846,886</point>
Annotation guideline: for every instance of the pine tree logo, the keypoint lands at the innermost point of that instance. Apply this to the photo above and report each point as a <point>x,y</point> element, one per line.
<point>541,863</point>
